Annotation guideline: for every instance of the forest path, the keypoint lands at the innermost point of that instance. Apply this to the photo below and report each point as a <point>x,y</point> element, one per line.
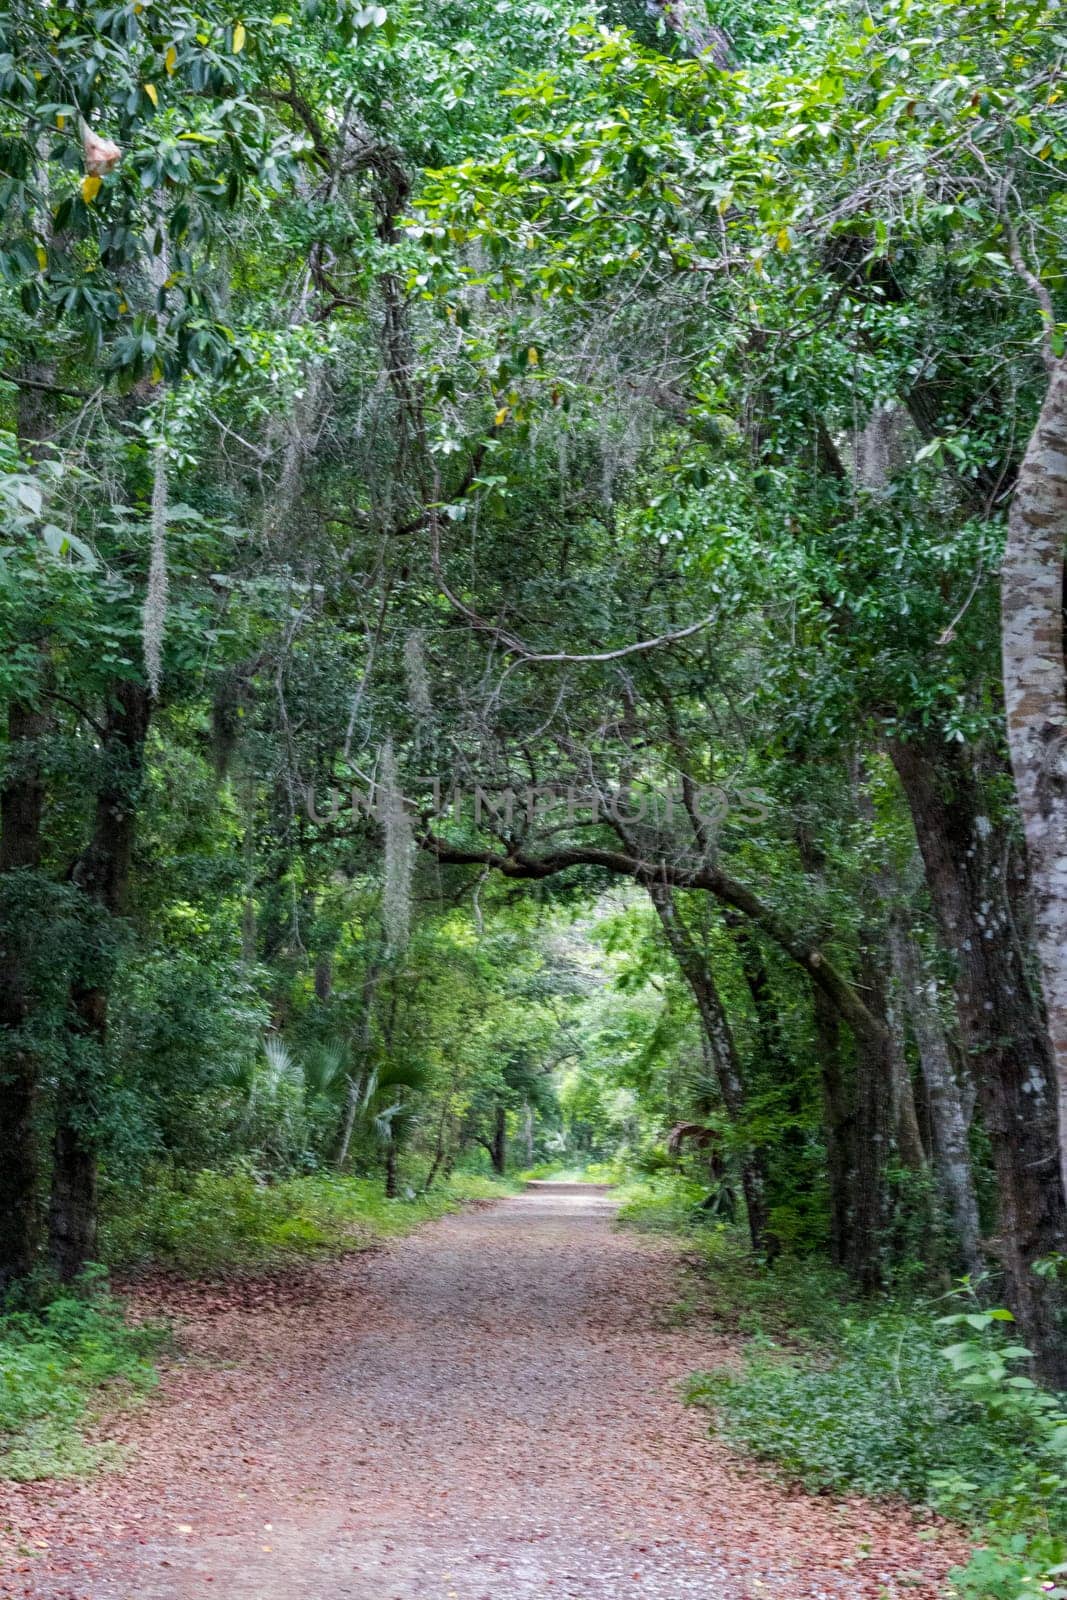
<point>487,1410</point>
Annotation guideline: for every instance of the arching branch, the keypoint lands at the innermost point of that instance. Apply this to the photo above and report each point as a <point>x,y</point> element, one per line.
<point>712,880</point>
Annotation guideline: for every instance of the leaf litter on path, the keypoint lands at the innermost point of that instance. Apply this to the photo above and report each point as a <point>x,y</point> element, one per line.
<point>487,1410</point>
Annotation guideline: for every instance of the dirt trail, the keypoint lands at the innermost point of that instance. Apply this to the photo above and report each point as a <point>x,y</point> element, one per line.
<point>485,1411</point>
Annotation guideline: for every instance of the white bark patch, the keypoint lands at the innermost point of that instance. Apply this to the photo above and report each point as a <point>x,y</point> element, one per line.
<point>1035,697</point>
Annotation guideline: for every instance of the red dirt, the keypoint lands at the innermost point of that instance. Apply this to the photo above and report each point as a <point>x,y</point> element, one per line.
<point>485,1411</point>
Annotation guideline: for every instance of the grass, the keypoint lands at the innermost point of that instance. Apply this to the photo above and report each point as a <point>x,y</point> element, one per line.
<point>881,1398</point>
<point>801,1302</point>
<point>205,1223</point>
<point>592,1172</point>
<point>56,1363</point>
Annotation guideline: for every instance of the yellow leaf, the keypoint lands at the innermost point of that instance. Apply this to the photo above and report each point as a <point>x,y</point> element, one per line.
<point>239,37</point>
<point>170,59</point>
<point>783,240</point>
<point>157,373</point>
<point>61,121</point>
<point>123,307</point>
<point>42,257</point>
<point>90,188</point>
<point>501,417</point>
<point>532,358</point>
<point>152,92</point>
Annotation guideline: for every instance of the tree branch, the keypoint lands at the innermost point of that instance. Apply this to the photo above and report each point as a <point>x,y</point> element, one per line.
<point>518,863</point>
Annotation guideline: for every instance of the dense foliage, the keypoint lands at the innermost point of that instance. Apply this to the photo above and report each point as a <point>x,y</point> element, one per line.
<point>513,519</point>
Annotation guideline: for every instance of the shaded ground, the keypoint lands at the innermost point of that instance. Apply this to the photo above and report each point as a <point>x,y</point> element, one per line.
<point>485,1411</point>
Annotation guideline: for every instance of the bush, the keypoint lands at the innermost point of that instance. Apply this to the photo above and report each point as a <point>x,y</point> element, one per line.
<point>51,1363</point>
<point>201,1223</point>
<point>878,1419</point>
<point>890,1400</point>
<point>669,1206</point>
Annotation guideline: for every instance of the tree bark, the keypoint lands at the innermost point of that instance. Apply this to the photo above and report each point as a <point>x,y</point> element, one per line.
<point>102,873</point>
<point>951,1147</point>
<point>837,1121</point>
<point>1035,702</point>
<point>439,1149</point>
<point>358,1078</point>
<point>73,1202</point>
<point>22,797</point>
<point>715,1023</point>
<point>870,1144</point>
<point>21,810</point>
<point>498,1152</point>
<point>909,1140</point>
<point>975,891</point>
<point>837,1083</point>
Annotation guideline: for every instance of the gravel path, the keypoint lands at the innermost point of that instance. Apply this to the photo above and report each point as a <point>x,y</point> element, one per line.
<point>485,1411</point>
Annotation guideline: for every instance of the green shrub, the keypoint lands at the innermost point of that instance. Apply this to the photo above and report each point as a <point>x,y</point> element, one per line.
<point>658,1206</point>
<point>201,1223</point>
<point>567,1172</point>
<point>892,1411</point>
<point>878,1419</point>
<point>889,1400</point>
<point>51,1363</point>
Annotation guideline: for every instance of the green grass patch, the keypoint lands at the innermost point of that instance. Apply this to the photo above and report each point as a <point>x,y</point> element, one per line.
<point>562,1172</point>
<point>56,1364</point>
<point>206,1223</point>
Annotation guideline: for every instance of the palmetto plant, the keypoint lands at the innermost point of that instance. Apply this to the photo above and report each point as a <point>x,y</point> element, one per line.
<point>377,1101</point>
<point>298,1109</point>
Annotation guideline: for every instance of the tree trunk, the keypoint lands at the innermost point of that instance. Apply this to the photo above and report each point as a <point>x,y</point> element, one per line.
<point>72,1207</point>
<point>717,1031</point>
<point>435,1167</point>
<point>975,893</point>
<point>323,978</point>
<point>21,809</point>
<point>357,1080</point>
<point>837,1085</point>
<point>498,1149</point>
<point>837,1120</point>
<point>905,1118</point>
<point>951,1148</point>
<point>1035,701</point>
<point>870,1144</point>
<point>390,1169</point>
<point>352,1099</point>
<point>102,873</point>
<point>439,1150</point>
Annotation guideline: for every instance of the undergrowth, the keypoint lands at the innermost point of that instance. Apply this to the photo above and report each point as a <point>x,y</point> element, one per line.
<point>61,1357</point>
<point>567,1172</point>
<point>928,1402</point>
<point>56,1362</point>
<point>203,1223</point>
